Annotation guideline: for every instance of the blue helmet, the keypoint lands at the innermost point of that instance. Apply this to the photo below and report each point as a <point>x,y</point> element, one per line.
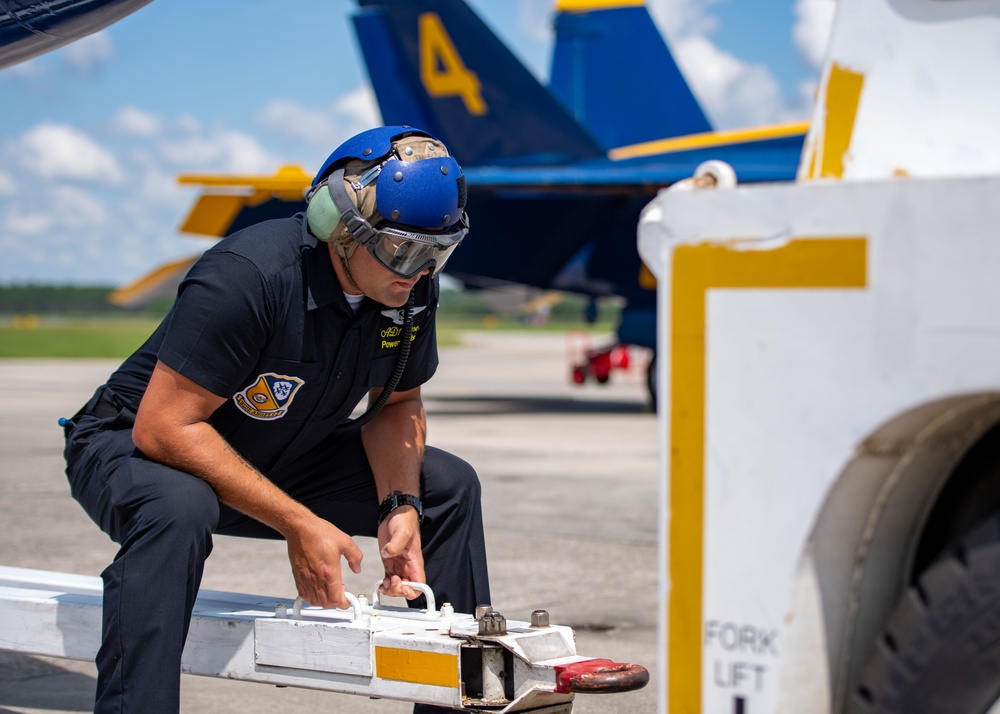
<point>419,197</point>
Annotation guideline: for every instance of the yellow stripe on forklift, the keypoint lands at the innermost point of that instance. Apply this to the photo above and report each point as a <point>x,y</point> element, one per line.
<point>843,95</point>
<point>801,263</point>
<point>434,668</point>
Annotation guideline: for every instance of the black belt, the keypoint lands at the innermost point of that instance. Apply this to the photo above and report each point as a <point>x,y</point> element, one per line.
<point>103,410</point>
<point>103,405</point>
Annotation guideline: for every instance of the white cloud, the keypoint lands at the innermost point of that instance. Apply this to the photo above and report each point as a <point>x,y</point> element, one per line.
<point>136,122</point>
<point>160,186</point>
<point>65,213</point>
<point>683,18</point>
<point>6,184</point>
<point>734,93</point>
<point>188,123</point>
<point>534,20</point>
<point>811,32</point>
<point>31,69</point>
<point>357,111</point>
<point>88,53</point>
<point>77,208</point>
<point>226,151</point>
<point>324,127</point>
<point>242,153</point>
<point>24,223</point>
<point>288,118</point>
<point>716,77</point>
<point>63,152</point>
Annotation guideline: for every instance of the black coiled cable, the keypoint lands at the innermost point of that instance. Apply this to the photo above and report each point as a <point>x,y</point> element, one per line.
<point>397,373</point>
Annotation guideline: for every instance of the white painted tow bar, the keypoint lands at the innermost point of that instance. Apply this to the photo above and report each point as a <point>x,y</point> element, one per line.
<point>459,660</point>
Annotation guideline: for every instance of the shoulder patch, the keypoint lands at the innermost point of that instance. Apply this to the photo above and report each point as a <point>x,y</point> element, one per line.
<point>269,396</point>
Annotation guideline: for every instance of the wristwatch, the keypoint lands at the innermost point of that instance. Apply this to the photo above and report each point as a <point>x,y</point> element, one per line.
<point>396,499</point>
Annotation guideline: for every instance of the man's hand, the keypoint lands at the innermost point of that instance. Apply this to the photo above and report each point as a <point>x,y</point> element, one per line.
<point>314,552</point>
<point>399,546</point>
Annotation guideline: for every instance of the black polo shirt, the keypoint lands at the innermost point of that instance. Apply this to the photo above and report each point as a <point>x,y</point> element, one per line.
<point>261,320</point>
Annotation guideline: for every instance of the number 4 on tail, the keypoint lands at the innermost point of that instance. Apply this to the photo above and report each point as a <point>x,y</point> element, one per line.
<point>442,70</point>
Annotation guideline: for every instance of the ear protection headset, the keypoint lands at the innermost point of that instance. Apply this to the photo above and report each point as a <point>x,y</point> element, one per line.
<point>322,213</point>
<point>328,205</point>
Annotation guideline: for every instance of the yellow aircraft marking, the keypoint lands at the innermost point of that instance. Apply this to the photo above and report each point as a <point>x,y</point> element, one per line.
<point>707,139</point>
<point>435,668</point>
<point>843,94</point>
<point>213,213</point>
<point>586,5</point>
<point>442,70</point>
<point>802,263</point>
<point>287,178</point>
<point>124,296</point>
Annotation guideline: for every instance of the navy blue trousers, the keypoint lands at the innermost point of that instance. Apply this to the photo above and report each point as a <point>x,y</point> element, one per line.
<point>164,520</point>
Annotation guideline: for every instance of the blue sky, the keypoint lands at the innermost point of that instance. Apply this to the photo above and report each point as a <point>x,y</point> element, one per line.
<point>92,136</point>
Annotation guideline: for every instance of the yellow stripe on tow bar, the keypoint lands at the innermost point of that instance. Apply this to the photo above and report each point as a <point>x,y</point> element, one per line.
<point>434,668</point>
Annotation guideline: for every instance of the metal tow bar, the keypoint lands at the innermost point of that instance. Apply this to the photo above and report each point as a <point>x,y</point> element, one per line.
<point>470,662</point>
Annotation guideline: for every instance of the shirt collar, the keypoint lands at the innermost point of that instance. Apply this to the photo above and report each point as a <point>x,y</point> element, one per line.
<point>322,287</point>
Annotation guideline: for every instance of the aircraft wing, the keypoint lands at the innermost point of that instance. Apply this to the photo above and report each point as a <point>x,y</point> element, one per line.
<point>29,29</point>
<point>763,154</point>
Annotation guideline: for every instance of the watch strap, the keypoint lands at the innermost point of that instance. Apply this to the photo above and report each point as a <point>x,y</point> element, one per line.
<point>396,499</point>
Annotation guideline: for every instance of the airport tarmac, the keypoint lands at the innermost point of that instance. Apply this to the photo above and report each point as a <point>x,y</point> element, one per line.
<point>570,501</point>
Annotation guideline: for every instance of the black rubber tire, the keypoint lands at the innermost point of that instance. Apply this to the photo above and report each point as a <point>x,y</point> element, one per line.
<point>940,651</point>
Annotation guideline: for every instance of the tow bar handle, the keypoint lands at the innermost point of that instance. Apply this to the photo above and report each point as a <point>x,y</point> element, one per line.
<point>600,676</point>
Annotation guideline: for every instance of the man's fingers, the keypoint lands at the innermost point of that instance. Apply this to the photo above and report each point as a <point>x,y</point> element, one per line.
<point>393,586</point>
<point>395,547</point>
<point>353,555</point>
<point>330,595</point>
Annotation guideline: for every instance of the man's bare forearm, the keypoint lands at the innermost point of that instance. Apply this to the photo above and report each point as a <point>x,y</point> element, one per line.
<point>394,443</point>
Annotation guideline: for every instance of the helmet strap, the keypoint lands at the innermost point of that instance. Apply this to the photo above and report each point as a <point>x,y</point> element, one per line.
<point>347,271</point>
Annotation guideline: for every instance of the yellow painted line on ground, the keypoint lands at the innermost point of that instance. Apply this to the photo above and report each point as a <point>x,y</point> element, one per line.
<point>801,263</point>
<point>438,669</point>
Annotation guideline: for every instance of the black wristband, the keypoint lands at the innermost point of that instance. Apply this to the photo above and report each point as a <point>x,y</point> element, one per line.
<point>396,499</point>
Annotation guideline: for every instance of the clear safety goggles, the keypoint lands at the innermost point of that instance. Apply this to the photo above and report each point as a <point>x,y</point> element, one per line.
<point>407,252</point>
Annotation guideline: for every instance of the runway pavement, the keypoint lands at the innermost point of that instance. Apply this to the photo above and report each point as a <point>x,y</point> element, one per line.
<point>570,503</point>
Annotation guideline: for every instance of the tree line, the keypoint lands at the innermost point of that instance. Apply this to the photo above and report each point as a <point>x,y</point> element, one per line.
<point>30,299</point>
<point>83,300</point>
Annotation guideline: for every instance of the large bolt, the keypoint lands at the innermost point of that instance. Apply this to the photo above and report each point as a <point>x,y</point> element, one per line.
<point>493,624</point>
<point>540,618</point>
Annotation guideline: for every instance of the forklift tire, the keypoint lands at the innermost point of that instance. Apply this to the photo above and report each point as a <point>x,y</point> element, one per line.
<point>940,650</point>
